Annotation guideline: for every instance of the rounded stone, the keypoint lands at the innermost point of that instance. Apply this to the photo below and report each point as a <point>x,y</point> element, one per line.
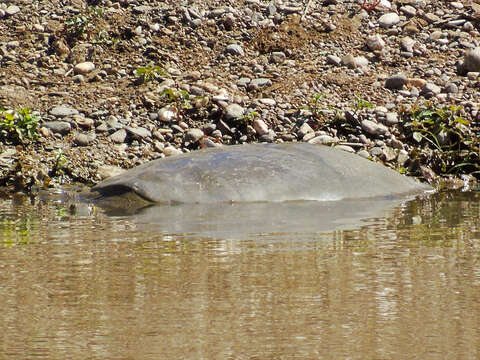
<point>12,10</point>
<point>388,20</point>
<point>62,111</point>
<point>58,127</point>
<point>235,49</point>
<point>375,42</point>
<point>260,127</point>
<point>234,111</point>
<point>396,81</point>
<point>472,60</point>
<point>84,68</point>
<point>194,135</point>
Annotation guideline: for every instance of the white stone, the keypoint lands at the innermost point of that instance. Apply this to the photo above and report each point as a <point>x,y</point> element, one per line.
<point>171,151</point>
<point>375,42</point>
<point>84,67</point>
<point>388,20</point>
<point>260,127</point>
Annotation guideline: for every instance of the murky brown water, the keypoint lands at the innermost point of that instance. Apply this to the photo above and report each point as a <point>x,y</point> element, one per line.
<point>161,287</point>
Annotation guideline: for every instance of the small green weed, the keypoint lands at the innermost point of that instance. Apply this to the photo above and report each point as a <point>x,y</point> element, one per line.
<point>180,98</point>
<point>248,117</point>
<point>82,25</point>
<point>449,136</point>
<point>151,72</point>
<point>361,104</point>
<point>18,125</point>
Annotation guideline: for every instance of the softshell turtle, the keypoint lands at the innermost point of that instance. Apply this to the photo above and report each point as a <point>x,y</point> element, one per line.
<point>259,172</point>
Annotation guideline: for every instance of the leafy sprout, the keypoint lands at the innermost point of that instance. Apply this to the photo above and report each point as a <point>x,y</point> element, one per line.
<point>18,125</point>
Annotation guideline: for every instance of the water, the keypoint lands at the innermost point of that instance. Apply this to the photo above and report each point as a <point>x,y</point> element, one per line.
<point>398,281</point>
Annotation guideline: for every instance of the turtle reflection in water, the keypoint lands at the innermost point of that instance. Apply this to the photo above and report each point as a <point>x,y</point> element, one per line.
<point>257,172</point>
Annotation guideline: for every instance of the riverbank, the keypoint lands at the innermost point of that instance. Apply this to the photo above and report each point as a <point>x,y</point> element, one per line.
<point>115,84</point>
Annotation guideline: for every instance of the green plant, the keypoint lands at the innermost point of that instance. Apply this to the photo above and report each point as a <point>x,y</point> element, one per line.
<point>361,104</point>
<point>448,135</point>
<point>18,125</point>
<point>82,24</point>
<point>60,162</point>
<point>150,72</point>
<point>248,117</point>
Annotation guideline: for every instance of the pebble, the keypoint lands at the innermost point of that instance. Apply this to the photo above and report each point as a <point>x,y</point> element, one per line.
<point>171,151</point>
<point>119,136</point>
<point>194,135</point>
<point>58,127</point>
<point>388,20</point>
<point>375,42</point>
<point>12,10</point>
<point>304,130</point>
<point>408,10</point>
<point>138,132</point>
<point>84,139</point>
<point>354,62</point>
<point>260,82</point>
<point>373,128</point>
<point>430,88</point>
<point>396,82</point>
<point>234,111</point>
<point>235,49</point>
<point>63,111</point>
<point>167,114</point>
<point>277,57</point>
<point>334,60</point>
<point>260,127</point>
<point>407,43</point>
<point>472,60</point>
<point>84,68</point>
<point>107,171</point>
<point>323,140</point>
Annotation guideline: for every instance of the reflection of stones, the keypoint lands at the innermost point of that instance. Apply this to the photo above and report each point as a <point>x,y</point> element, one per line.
<point>260,172</point>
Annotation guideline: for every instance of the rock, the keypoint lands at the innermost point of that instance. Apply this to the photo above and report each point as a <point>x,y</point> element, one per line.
<point>138,132</point>
<point>235,49</point>
<point>171,151</point>
<point>391,118</point>
<point>260,127</point>
<point>268,137</point>
<point>167,114</point>
<point>388,20</point>
<point>345,148</point>
<point>277,57</point>
<point>451,88</point>
<point>234,111</point>
<point>430,89</point>
<point>119,136</point>
<point>363,153</point>
<point>84,68</point>
<point>304,130</point>
<point>12,10</point>
<point>84,139</point>
<point>373,128</point>
<point>407,43</point>
<point>107,171</point>
<point>408,10</point>
<point>375,42</point>
<point>83,122</point>
<point>323,139</point>
<point>333,60</point>
<point>396,82</point>
<point>63,111</point>
<point>194,135</point>
<point>354,62</point>
<point>260,82</point>
<point>472,60</point>
<point>58,127</point>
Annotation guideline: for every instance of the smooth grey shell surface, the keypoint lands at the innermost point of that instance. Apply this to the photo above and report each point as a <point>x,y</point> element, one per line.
<point>260,172</point>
